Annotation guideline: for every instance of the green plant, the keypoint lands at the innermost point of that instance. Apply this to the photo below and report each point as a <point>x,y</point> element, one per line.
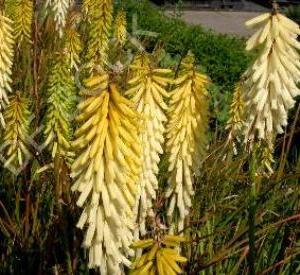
<point>223,57</point>
<point>293,12</point>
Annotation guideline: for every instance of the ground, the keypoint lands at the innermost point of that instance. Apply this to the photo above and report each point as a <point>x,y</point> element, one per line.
<point>221,21</point>
<point>227,22</point>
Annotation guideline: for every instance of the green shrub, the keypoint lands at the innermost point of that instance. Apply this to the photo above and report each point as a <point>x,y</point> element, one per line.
<point>293,12</point>
<point>222,56</point>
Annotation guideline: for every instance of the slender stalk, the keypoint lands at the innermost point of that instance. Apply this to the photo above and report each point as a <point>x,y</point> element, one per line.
<point>289,144</point>
<point>252,212</point>
<point>275,7</point>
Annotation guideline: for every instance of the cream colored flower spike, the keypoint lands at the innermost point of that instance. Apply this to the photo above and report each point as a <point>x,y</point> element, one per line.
<point>186,136</point>
<point>148,93</point>
<point>270,83</point>
<point>60,10</point>
<point>6,61</point>
<point>106,174</point>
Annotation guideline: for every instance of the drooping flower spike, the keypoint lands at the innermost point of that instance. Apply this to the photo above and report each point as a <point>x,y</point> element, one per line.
<point>270,83</point>
<point>160,256</point>
<point>106,172</point>
<point>236,114</point>
<point>16,138</point>
<point>99,18</point>
<point>148,93</point>
<point>6,61</point>
<point>60,10</point>
<point>23,18</point>
<point>186,136</point>
<point>60,107</point>
<point>120,32</point>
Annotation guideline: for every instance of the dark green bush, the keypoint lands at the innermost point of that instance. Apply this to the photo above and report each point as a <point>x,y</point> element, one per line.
<point>222,56</point>
<point>293,12</point>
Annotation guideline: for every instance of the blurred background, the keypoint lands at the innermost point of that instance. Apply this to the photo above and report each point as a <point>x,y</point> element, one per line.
<point>228,4</point>
<point>225,16</point>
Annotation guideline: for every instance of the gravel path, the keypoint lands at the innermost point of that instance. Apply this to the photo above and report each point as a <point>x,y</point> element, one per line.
<point>221,21</point>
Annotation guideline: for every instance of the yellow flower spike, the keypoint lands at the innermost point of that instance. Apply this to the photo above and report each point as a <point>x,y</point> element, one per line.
<point>148,97</point>
<point>120,32</point>
<point>266,160</point>
<point>60,108</point>
<point>270,83</point>
<point>22,17</point>
<point>140,61</point>
<point>73,47</point>
<point>60,10</point>
<point>236,113</point>
<point>99,17</point>
<point>16,133</point>
<point>6,60</point>
<point>186,136</point>
<point>158,257</point>
<point>106,172</point>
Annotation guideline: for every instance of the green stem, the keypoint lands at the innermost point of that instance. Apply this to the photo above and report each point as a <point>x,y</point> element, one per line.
<point>252,213</point>
<point>275,7</point>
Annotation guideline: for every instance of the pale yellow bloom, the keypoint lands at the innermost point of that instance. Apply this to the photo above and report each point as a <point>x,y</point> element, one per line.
<point>270,86</point>
<point>186,136</point>
<point>6,60</point>
<point>106,172</point>
<point>148,93</point>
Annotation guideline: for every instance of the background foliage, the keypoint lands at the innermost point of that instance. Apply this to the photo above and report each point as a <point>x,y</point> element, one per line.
<point>222,57</point>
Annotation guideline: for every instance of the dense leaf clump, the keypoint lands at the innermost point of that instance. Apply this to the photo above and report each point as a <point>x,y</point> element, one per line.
<point>223,56</point>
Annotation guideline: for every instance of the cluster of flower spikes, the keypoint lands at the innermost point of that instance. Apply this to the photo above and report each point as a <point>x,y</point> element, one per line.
<point>160,256</point>
<point>270,86</point>
<point>60,106</point>
<point>148,93</point>
<point>106,173</point>
<point>99,18</point>
<point>120,31</point>
<point>16,138</point>
<point>21,12</point>
<point>60,10</point>
<point>186,136</point>
<point>73,46</point>
<point>6,61</point>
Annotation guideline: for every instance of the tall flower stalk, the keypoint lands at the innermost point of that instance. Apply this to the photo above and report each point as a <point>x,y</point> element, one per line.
<point>186,136</point>
<point>60,107</point>
<point>270,83</point>
<point>6,60</point>
<point>23,17</point>
<point>99,19</point>
<point>148,93</point>
<point>106,172</point>
<point>60,10</point>
<point>120,28</point>
<point>16,134</point>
